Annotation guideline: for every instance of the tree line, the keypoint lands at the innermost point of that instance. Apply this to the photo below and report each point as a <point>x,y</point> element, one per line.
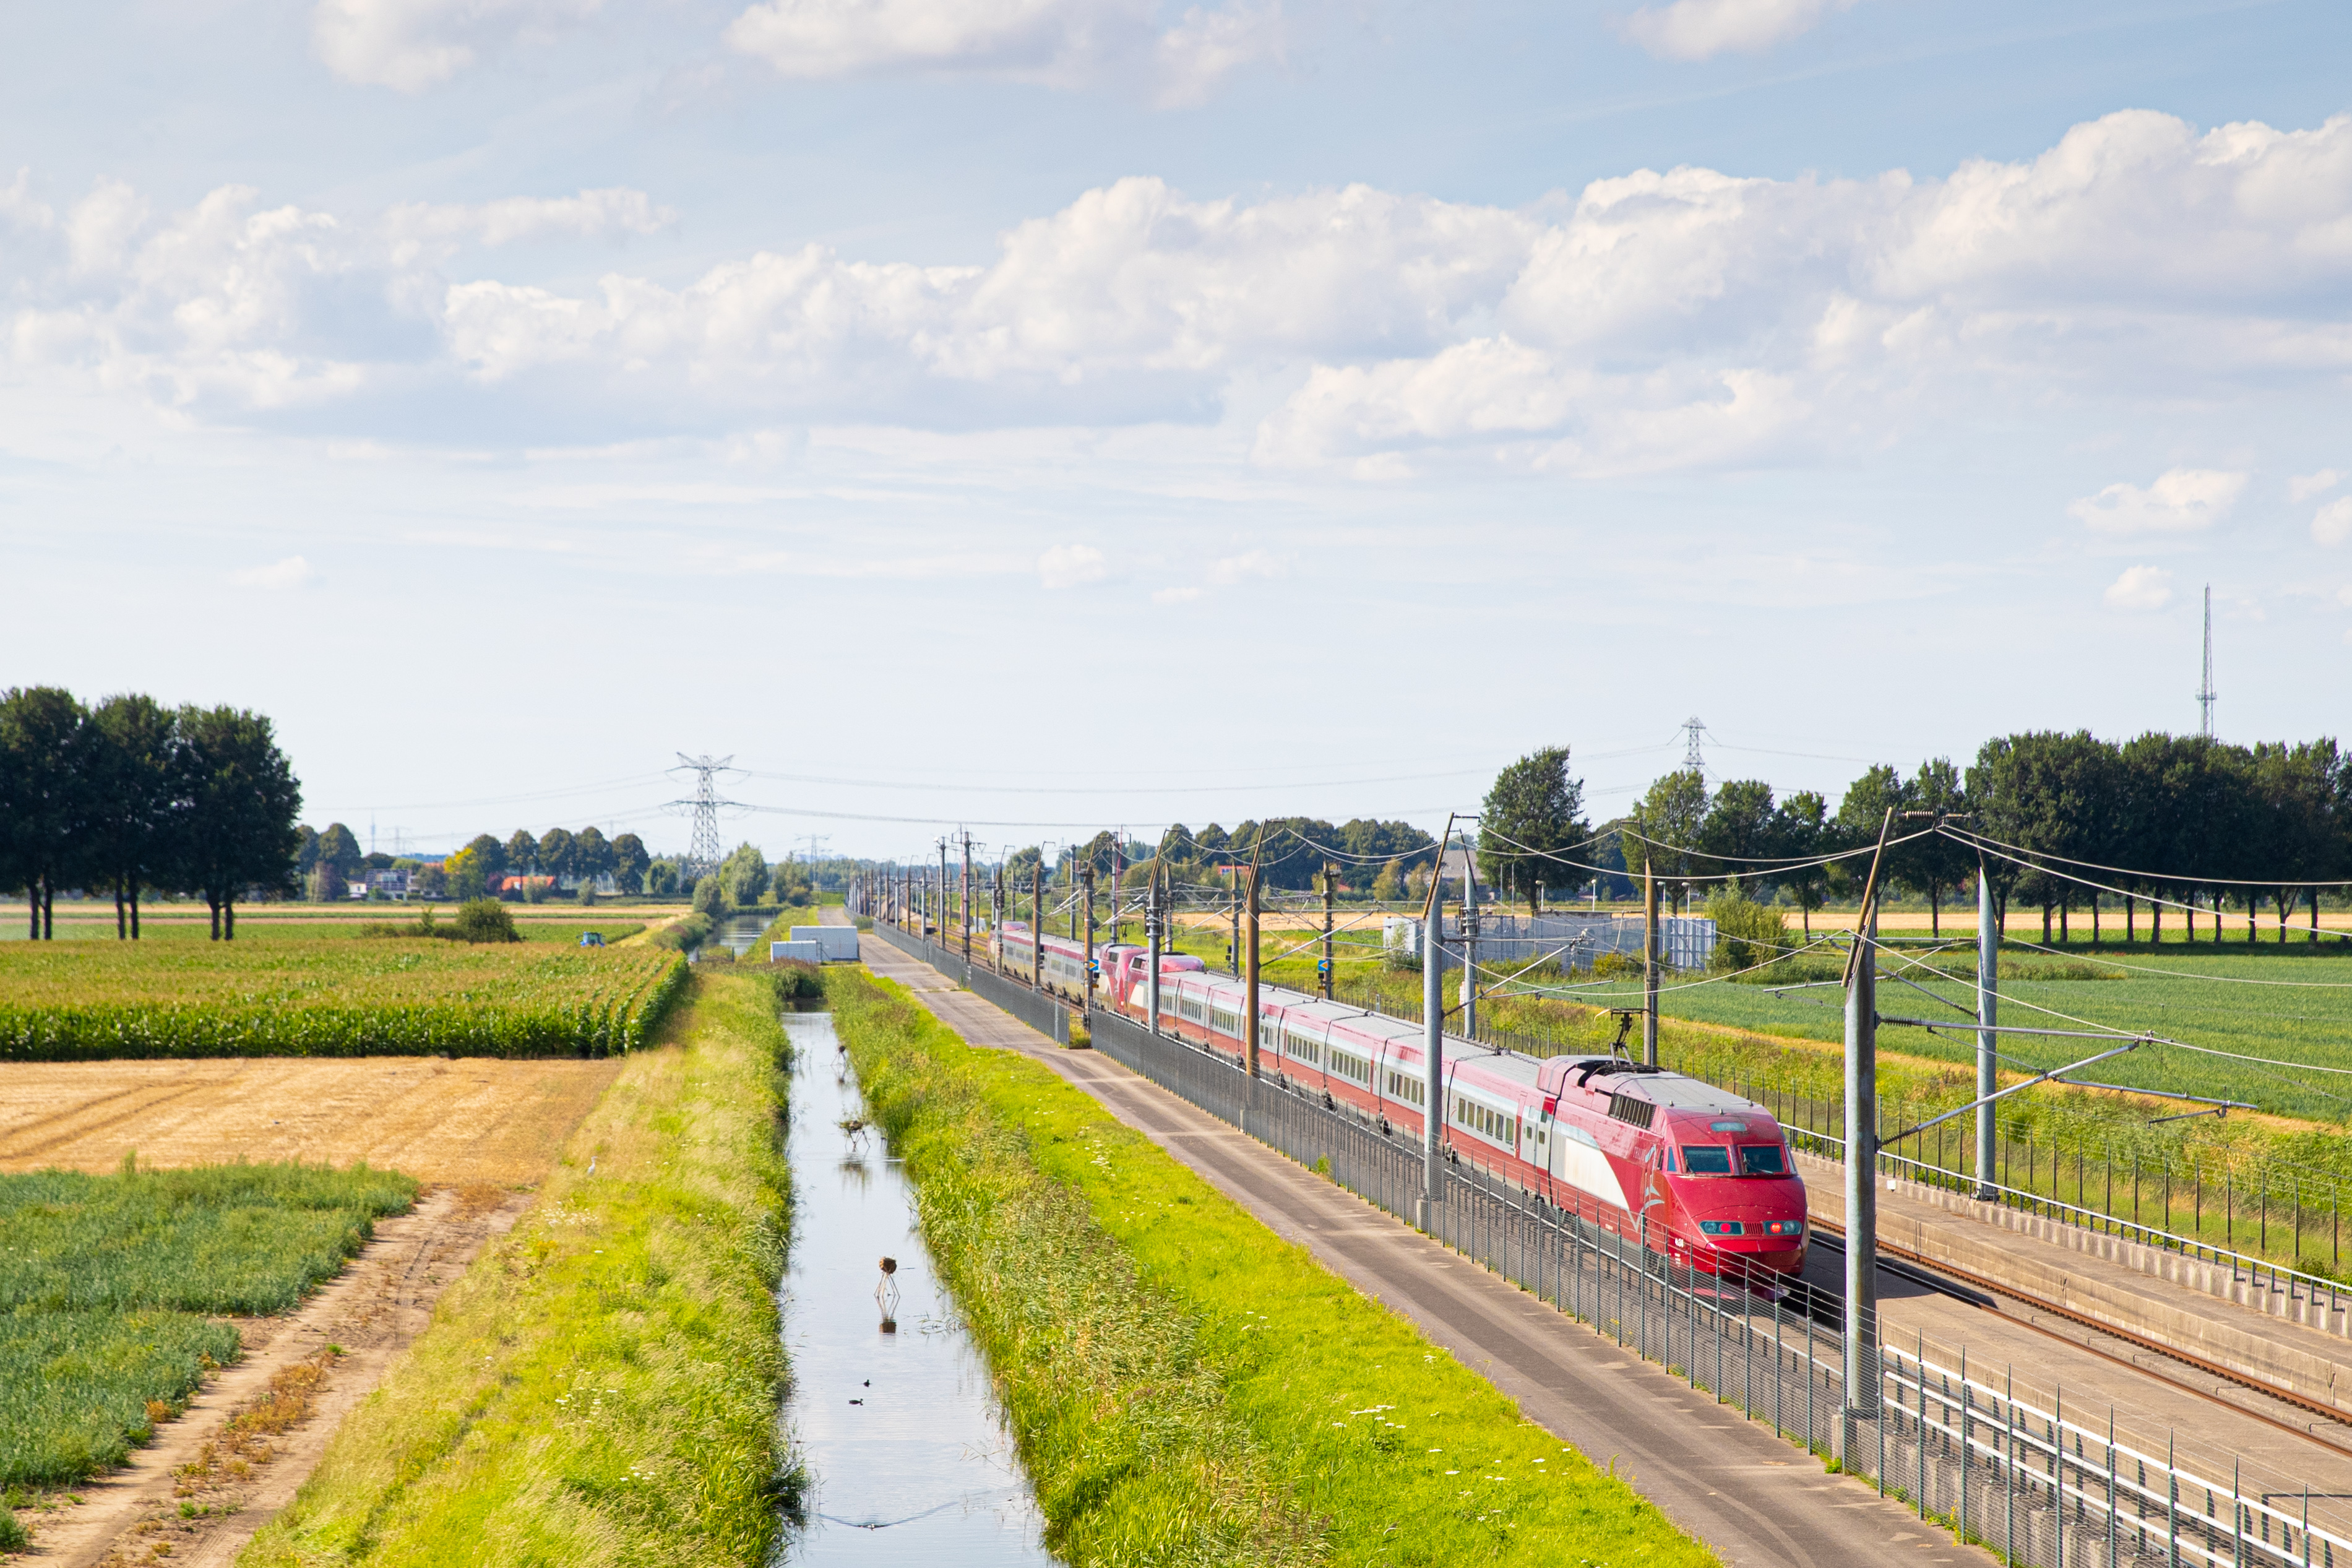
<point>1289,851</point>
<point>480,868</point>
<point>145,799</point>
<point>2189,819</point>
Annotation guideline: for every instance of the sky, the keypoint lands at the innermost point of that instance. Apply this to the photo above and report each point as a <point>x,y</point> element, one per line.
<point>1038,416</point>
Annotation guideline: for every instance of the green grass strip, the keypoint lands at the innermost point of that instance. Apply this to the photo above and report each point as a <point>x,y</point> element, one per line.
<point>600,1387</point>
<point>1185,1386</point>
<point>105,1282</point>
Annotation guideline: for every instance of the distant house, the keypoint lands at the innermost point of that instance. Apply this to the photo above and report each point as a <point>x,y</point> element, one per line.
<point>522,886</point>
<point>363,884</point>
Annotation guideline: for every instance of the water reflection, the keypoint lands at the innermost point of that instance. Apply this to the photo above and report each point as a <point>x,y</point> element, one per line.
<point>908,1455</point>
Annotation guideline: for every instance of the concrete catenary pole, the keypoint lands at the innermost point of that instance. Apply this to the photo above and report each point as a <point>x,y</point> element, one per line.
<point>1249,970</point>
<point>1087,886</point>
<point>1152,917</point>
<point>942,922</point>
<point>967,901</point>
<point>1233,948</point>
<point>1649,964</point>
<point>1862,1388</point>
<point>1117,877</point>
<point>1469,941</point>
<point>1433,1052</point>
<point>1330,875</point>
<point>1038,924</point>
<point>1988,1025</point>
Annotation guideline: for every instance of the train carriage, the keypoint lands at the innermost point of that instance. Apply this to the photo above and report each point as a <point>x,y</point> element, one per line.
<point>1694,1170</point>
<point>1700,1172</point>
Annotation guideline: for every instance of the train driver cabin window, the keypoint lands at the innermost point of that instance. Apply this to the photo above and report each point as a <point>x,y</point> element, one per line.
<point>1762,1160</point>
<point>1706,1160</point>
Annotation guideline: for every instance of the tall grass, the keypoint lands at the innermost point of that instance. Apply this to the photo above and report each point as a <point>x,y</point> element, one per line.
<point>600,1387</point>
<point>1186,1387</point>
<point>86,1001</point>
<point>105,1283</point>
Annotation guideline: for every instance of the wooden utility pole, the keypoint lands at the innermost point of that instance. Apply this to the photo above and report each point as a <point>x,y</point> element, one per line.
<point>1649,964</point>
<point>1330,873</point>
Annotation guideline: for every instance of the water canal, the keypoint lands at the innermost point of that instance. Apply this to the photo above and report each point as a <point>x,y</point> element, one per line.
<point>909,1456</point>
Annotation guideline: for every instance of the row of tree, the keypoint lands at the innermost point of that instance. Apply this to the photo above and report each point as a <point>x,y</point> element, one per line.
<point>1289,852</point>
<point>2184,818</point>
<point>586,857</point>
<point>141,798</point>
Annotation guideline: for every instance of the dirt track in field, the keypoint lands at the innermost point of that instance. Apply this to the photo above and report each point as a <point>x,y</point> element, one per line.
<point>371,1311</point>
<point>460,1119</point>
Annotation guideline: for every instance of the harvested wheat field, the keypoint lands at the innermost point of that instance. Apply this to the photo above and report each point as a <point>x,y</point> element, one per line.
<point>461,1119</point>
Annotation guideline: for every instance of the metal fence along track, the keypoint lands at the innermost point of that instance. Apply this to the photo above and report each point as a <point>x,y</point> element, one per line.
<point>1040,1013</point>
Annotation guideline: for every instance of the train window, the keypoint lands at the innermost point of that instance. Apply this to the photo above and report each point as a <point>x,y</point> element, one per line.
<point>1761,1160</point>
<point>1707,1160</point>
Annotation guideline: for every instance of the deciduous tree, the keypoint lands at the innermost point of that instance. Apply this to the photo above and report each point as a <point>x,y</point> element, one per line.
<point>1531,817</point>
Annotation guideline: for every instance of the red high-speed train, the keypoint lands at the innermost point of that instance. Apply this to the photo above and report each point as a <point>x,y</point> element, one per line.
<point>1694,1170</point>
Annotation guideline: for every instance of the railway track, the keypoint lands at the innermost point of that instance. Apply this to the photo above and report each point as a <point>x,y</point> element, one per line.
<point>1987,1295</point>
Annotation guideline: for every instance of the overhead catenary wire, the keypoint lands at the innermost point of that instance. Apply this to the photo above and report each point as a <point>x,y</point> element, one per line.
<point>1973,838</point>
<point>1985,848</point>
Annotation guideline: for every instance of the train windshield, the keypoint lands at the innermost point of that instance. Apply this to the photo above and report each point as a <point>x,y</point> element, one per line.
<point>1762,1160</point>
<point>1707,1160</point>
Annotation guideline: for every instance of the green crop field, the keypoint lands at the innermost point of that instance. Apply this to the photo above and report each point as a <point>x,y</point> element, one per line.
<point>2286,1008</point>
<point>110,1289</point>
<point>327,996</point>
<point>365,923</point>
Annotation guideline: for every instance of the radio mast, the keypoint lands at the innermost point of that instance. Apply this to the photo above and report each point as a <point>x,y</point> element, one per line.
<point>2205,693</point>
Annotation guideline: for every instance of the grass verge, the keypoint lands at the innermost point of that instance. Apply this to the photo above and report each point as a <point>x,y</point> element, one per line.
<point>110,1289</point>
<point>1185,1386</point>
<point>601,1386</point>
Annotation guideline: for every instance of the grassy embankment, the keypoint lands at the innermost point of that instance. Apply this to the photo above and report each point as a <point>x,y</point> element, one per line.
<point>600,1387</point>
<point>111,1289</point>
<point>327,996</point>
<point>1184,1386</point>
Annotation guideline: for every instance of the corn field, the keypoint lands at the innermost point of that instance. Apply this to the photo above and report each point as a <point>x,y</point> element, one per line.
<point>85,1002</point>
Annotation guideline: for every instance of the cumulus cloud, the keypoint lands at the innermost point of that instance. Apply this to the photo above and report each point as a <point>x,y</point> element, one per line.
<point>2303,487</point>
<point>1060,43</point>
<point>1069,565</point>
<point>2182,501</point>
<point>1231,569</point>
<point>2332,524</point>
<point>1657,320</point>
<point>1697,29</point>
<point>1174,595</point>
<point>2140,588</point>
<point>278,576</point>
<point>411,45</point>
<point>591,214</point>
<point>19,207</point>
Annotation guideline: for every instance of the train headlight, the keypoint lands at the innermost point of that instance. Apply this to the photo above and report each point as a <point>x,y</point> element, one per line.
<point>1720,1226</point>
<point>1785,1227</point>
